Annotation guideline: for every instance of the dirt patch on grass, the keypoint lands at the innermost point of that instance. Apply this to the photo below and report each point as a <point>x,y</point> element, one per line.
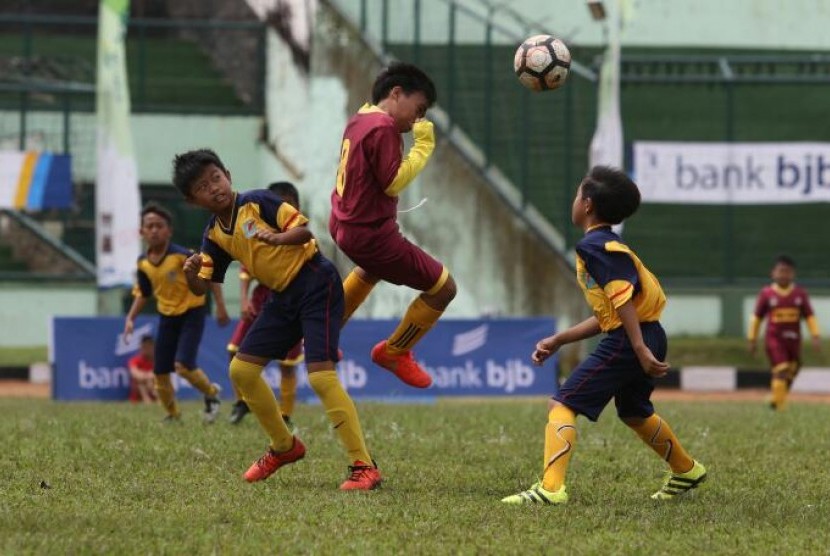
<point>23,389</point>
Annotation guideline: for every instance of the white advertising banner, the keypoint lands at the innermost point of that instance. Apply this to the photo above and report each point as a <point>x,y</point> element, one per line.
<point>117,199</point>
<point>732,173</point>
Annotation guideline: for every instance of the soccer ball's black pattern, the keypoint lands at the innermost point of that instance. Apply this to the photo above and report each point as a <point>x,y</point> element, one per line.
<point>542,63</point>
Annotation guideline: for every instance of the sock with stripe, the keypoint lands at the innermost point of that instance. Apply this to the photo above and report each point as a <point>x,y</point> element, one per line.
<point>341,412</point>
<point>198,379</point>
<point>288,393</point>
<point>657,434</point>
<point>261,401</point>
<point>417,321</point>
<point>560,438</point>
<point>355,292</point>
<point>166,394</point>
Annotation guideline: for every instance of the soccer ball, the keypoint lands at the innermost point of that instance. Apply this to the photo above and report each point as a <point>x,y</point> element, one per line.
<point>542,63</point>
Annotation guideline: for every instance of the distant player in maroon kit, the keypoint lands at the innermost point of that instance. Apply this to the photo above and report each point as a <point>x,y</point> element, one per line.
<point>372,173</point>
<point>785,303</point>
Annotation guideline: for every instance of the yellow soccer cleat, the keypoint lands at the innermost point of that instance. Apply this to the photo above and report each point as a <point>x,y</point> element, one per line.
<point>678,483</point>
<point>537,494</point>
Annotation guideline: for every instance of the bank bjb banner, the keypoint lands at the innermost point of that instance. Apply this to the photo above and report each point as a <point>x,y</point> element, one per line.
<point>732,173</point>
<point>464,357</point>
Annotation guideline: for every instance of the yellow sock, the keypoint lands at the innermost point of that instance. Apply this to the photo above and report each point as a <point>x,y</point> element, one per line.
<point>657,434</point>
<point>166,394</point>
<point>341,412</point>
<point>236,392</point>
<point>288,393</point>
<point>355,291</point>
<point>262,403</point>
<point>560,438</point>
<point>779,388</point>
<point>417,321</point>
<point>198,379</point>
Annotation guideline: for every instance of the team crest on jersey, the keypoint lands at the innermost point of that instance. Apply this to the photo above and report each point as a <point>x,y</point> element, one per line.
<point>798,301</point>
<point>171,276</point>
<point>773,301</point>
<point>249,228</point>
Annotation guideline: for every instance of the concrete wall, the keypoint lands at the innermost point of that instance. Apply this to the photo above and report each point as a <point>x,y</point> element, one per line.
<point>26,309</point>
<point>751,24</point>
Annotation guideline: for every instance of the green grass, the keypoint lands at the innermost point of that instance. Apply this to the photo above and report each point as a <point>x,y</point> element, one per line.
<point>22,356</point>
<point>120,482</point>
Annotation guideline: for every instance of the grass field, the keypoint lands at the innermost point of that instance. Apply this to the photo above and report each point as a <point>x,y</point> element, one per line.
<point>120,482</point>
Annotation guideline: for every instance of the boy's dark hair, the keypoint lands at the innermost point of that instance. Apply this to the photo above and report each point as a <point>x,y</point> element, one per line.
<point>614,195</point>
<point>147,338</point>
<point>190,165</point>
<point>785,260</point>
<point>153,207</point>
<point>285,189</point>
<point>406,76</point>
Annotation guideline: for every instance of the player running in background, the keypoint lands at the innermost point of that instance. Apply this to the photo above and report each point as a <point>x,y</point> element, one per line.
<point>785,303</point>
<point>270,237</point>
<point>181,313</point>
<point>627,301</point>
<point>363,223</point>
<point>251,307</point>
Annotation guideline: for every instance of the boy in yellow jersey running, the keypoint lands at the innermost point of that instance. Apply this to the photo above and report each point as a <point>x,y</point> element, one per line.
<point>270,237</point>
<point>627,301</point>
<point>182,314</point>
<point>364,203</point>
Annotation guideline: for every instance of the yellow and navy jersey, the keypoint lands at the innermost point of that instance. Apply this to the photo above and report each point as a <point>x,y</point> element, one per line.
<point>610,274</point>
<point>166,281</point>
<point>275,266</point>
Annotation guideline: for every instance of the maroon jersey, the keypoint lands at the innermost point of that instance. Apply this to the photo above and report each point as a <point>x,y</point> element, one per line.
<point>370,156</point>
<point>785,309</point>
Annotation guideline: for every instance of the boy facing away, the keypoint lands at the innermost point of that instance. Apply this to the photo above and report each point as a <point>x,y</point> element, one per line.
<point>364,203</point>
<point>251,306</point>
<point>627,301</point>
<point>785,303</point>
<point>181,313</point>
<point>271,239</point>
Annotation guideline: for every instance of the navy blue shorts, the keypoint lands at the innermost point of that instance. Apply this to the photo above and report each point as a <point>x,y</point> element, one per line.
<point>178,340</point>
<point>309,309</point>
<point>613,371</point>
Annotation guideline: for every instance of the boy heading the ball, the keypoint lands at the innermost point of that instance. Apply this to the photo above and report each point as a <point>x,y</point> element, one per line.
<point>270,237</point>
<point>627,301</point>
<point>372,173</point>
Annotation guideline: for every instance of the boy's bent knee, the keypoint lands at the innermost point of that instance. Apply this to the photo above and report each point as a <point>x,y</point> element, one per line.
<point>633,421</point>
<point>244,372</point>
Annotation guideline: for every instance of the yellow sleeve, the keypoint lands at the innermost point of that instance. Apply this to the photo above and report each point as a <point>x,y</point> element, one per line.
<point>206,272</point>
<point>618,292</point>
<point>415,159</point>
<point>754,326</point>
<point>288,217</point>
<point>812,324</point>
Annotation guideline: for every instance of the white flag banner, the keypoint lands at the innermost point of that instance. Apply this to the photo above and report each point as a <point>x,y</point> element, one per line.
<point>732,173</point>
<point>117,200</point>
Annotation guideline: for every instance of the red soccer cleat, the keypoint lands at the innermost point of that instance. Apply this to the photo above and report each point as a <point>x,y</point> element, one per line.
<point>265,466</point>
<point>362,476</point>
<point>401,365</point>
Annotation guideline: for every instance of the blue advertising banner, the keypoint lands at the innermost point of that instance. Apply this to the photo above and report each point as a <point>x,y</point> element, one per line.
<point>464,357</point>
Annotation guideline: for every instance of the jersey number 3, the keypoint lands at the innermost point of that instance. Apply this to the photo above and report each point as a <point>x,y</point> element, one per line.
<point>341,169</point>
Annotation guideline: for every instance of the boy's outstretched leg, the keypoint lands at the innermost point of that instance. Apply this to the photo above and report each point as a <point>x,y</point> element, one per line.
<point>356,288</point>
<point>686,473</point>
<point>394,353</point>
<point>779,385</point>
<point>560,438</point>
<point>284,448</point>
<point>363,474</point>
